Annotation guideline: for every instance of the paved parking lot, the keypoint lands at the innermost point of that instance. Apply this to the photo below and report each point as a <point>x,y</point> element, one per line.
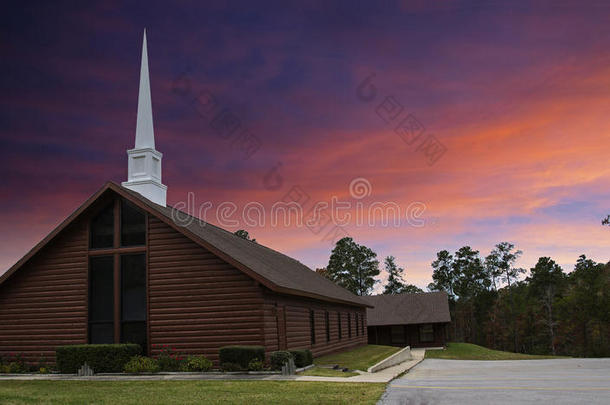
<point>565,381</point>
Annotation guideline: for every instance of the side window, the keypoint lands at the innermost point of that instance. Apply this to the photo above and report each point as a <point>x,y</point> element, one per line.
<point>339,323</point>
<point>327,321</point>
<point>349,325</point>
<point>426,333</point>
<point>312,327</point>
<point>101,231</point>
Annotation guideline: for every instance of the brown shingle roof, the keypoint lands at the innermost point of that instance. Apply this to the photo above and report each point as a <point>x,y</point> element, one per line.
<point>404,309</point>
<point>273,269</point>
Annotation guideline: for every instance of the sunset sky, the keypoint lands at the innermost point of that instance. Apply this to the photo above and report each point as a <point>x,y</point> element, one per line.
<point>519,96</point>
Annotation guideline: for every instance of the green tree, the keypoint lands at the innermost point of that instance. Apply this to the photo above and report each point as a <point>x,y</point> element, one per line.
<point>492,268</point>
<point>588,295</point>
<point>545,284</point>
<point>396,283</point>
<point>606,221</point>
<point>443,275</point>
<point>353,266</point>
<point>244,234</point>
<point>470,275</point>
<point>506,257</point>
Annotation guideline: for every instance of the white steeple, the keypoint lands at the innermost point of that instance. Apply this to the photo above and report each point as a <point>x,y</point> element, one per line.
<point>144,162</point>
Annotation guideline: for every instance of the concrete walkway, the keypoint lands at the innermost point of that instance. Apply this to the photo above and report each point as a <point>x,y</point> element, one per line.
<point>382,376</point>
<point>503,382</point>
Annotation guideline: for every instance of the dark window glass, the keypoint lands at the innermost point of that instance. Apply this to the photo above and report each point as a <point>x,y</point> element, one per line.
<point>362,324</point>
<point>133,299</point>
<point>349,325</point>
<point>101,299</point>
<point>134,332</point>
<point>133,287</point>
<point>312,327</point>
<point>102,229</point>
<point>101,333</point>
<point>356,318</point>
<point>327,321</point>
<point>133,225</point>
<point>426,333</point>
<point>397,334</point>
<point>339,323</point>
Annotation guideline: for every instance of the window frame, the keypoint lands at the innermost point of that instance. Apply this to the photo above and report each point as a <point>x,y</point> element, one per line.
<point>422,333</point>
<point>349,325</point>
<point>312,326</point>
<point>116,251</point>
<point>339,325</point>
<point>90,294</point>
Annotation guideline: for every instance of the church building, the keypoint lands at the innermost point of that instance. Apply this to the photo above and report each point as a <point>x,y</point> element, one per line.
<point>122,268</point>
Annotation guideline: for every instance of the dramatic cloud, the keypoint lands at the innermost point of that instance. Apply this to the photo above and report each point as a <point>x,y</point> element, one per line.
<point>516,94</point>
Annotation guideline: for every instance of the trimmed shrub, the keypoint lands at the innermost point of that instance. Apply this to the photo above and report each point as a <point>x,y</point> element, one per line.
<point>110,358</point>
<point>241,355</point>
<point>230,367</point>
<point>256,365</point>
<point>279,358</point>
<point>196,363</point>
<point>302,357</point>
<point>141,364</point>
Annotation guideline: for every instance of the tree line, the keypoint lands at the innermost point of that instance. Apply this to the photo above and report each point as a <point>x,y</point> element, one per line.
<point>496,304</point>
<point>547,312</point>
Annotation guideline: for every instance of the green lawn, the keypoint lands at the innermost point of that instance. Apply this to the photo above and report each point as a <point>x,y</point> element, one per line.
<point>187,392</point>
<point>360,358</point>
<point>468,351</point>
<point>327,372</point>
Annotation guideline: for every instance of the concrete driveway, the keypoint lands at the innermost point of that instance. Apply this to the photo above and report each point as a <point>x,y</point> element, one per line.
<point>565,381</point>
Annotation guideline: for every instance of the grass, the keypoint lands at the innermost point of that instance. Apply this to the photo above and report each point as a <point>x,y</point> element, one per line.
<point>187,392</point>
<point>360,358</point>
<point>327,372</point>
<point>468,351</point>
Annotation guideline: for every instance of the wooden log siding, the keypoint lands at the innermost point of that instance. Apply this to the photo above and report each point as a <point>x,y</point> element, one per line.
<point>198,302</point>
<point>298,336</point>
<point>44,305</point>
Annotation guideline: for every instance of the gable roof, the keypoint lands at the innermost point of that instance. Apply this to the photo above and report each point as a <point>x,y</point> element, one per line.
<point>271,268</point>
<point>405,309</point>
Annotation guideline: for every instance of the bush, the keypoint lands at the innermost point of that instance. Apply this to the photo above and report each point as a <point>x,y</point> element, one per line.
<point>241,355</point>
<point>110,358</point>
<point>302,357</point>
<point>256,365</point>
<point>141,364</point>
<point>168,360</point>
<point>196,363</point>
<point>278,359</point>
<point>230,367</point>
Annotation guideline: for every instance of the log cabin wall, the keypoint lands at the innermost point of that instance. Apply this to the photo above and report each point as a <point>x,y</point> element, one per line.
<point>198,303</point>
<point>44,304</point>
<point>287,324</point>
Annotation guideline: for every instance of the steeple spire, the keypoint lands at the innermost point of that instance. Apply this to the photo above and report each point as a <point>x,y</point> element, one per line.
<point>144,161</point>
<point>145,133</point>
